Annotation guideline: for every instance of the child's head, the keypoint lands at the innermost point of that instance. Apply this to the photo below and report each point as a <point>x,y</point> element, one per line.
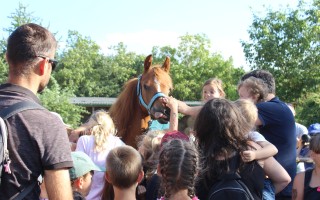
<point>254,89</point>
<point>82,171</point>
<point>124,167</point>
<point>315,148</point>
<point>315,143</point>
<point>178,166</point>
<point>212,88</point>
<point>149,148</point>
<point>102,126</point>
<point>248,109</point>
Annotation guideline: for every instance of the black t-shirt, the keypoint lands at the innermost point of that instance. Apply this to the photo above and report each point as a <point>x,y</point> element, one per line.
<point>37,141</point>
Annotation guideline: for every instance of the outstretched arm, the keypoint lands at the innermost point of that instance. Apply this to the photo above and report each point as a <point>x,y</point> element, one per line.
<point>187,110</point>
<point>172,103</point>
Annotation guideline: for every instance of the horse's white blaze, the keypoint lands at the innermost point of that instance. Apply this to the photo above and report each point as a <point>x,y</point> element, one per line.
<point>157,84</point>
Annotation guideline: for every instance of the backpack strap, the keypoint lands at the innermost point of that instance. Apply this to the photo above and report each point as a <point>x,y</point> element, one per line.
<point>5,114</point>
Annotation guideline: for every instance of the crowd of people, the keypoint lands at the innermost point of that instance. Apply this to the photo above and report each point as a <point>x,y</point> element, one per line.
<point>255,138</point>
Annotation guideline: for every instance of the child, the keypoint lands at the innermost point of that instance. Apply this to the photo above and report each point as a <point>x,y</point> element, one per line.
<point>212,88</point>
<point>97,146</point>
<point>250,113</point>
<point>149,148</point>
<point>81,174</point>
<point>254,89</point>
<point>178,166</point>
<point>124,171</point>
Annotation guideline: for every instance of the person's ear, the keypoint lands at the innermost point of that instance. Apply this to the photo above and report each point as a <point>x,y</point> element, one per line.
<point>141,176</point>
<point>79,182</point>
<point>42,66</point>
<point>107,176</point>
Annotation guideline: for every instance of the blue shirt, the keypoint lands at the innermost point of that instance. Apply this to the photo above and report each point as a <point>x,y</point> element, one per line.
<point>278,127</point>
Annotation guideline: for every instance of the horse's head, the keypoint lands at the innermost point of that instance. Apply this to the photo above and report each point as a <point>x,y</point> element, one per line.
<point>154,84</point>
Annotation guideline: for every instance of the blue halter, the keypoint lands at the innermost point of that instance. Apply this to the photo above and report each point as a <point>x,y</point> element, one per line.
<point>153,99</point>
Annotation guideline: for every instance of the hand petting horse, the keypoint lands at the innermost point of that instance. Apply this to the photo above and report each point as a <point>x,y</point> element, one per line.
<point>141,99</point>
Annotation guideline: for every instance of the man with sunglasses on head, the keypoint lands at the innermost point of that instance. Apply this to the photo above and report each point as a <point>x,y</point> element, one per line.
<point>37,140</point>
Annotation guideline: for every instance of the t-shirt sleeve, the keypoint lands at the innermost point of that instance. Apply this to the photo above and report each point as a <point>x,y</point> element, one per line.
<point>256,136</point>
<point>53,143</point>
<point>81,146</point>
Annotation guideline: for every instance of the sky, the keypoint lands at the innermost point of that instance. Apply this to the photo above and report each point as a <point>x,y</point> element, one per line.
<point>142,24</point>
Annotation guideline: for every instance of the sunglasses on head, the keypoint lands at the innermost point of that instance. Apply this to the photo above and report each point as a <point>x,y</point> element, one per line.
<point>53,62</point>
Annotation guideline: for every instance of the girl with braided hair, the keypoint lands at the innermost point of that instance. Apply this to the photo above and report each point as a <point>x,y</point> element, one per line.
<point>178,166</point>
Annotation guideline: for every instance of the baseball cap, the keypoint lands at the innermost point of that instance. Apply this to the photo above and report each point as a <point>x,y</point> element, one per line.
<point>82,164</point>
<point>173,135</point>
<point>314,128</point>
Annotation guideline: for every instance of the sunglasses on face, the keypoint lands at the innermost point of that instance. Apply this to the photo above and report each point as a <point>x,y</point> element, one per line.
<point>53,62</point>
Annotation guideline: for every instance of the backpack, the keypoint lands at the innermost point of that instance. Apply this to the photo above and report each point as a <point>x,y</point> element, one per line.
<point>4,153</point>
<point>230,186</point>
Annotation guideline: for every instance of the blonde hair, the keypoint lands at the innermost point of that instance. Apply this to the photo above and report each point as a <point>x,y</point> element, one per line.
<point>150,142</point>
<point>102,127</point>
<point>256,88</point>
<point>249,110</point>
<point>215,82</point>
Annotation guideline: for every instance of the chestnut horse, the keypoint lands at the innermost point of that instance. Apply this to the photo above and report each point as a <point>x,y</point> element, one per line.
<point>141,99</point>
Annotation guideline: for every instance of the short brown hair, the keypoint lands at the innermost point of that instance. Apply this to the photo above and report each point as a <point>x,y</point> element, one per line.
<point>315,143</point>
<point>25,43</point>
<point>124,165</point>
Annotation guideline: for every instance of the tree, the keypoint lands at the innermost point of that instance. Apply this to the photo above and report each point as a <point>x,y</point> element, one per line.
<point>19,17</point>
<point>287,44</point>
<point>58,100</point>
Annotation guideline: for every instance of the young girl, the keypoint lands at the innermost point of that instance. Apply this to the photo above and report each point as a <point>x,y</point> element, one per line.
<point>250,113</point>
<point>212,88</point>
<point>178,166</point>
<point>220,132</point>
<point>97,147</point>
<point>149,148</point>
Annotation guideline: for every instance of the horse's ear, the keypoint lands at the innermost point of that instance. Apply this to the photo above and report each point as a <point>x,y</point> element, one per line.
<point>166,64</point>
<point>147,63</point>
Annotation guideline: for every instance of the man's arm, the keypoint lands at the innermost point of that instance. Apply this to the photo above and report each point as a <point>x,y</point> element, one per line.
<point>58,184</point>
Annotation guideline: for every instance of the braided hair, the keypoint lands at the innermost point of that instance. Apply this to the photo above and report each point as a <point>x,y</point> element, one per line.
<point>178,165</point>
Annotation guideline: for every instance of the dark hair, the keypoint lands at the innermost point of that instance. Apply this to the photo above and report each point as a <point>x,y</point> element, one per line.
<point>220,132</point>
<point>25,43</point>
<point>178,163</point>
<point>315,143</point>
<point>266,76</point>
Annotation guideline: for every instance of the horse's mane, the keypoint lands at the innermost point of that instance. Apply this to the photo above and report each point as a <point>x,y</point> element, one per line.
<point>126,104</point>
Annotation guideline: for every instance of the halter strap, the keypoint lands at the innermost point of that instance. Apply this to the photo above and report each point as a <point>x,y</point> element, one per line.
<point>153,99</point>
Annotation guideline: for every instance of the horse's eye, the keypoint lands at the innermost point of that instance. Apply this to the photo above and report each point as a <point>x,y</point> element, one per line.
<point>146,87</point>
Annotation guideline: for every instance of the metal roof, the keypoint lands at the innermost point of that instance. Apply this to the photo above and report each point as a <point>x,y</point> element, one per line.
<point>108,101</point>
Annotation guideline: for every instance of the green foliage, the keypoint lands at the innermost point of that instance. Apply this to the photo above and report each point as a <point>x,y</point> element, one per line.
<point>87,72</point>
<point>57,100</point>
<point>287,43</point>
<point>309,109</point>
<point>19,17</point>
<point>4,69</point>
